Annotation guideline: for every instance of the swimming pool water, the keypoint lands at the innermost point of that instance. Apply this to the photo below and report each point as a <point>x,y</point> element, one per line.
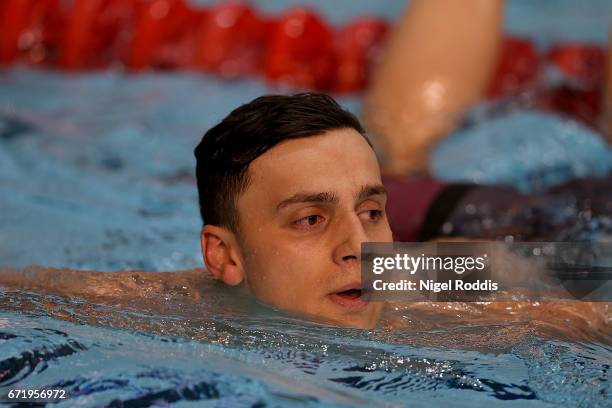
<point>191,354</point>
<point>96,172</point>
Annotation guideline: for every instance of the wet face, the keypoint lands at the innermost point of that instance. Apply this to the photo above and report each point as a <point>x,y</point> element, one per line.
<point>310,204</point>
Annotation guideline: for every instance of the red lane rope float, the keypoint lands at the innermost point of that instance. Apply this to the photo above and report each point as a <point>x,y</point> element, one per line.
<point>517,69</point>
<point>300,51</point>
<point>297,49</point>
<point>583,63</point>
<point>28,29</point>
<point>581,94</point>
<point>358,47</point>
<point>231,40</point>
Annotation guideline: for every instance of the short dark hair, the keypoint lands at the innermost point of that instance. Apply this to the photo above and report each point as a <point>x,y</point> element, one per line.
<point>226,150</point>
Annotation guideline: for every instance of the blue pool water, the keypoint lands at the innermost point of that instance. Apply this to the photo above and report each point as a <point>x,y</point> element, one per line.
<point>96,172</point>
<point>248,356</point>
<point>525,149</point>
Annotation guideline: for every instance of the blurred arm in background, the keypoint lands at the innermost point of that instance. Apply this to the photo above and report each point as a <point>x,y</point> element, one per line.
<point>437,63</point>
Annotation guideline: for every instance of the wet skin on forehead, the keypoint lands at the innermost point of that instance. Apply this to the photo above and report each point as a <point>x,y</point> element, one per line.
<point>310,204</point>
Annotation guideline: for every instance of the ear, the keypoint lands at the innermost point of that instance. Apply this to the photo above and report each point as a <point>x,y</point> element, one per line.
<point>222,254</point>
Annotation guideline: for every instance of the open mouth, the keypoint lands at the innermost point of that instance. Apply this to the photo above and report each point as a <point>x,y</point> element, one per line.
<point>350,294</point>
<point>349,297</point>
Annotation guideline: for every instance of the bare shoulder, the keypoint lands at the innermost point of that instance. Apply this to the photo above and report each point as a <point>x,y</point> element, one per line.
<point>71,282</point>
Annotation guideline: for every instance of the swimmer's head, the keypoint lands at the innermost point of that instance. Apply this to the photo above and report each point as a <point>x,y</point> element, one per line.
<point>289,188</point>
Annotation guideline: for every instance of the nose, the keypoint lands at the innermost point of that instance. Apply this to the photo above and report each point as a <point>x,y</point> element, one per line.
<point>350,234</point>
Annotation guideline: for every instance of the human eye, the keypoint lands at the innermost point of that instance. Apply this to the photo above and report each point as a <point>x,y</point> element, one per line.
<point>372,215</point>
<point>309,221</point>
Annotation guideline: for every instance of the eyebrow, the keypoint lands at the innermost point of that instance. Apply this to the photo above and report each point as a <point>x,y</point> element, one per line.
<point>318,198</point>
<point>371,190</point>
<point>330,198</point>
